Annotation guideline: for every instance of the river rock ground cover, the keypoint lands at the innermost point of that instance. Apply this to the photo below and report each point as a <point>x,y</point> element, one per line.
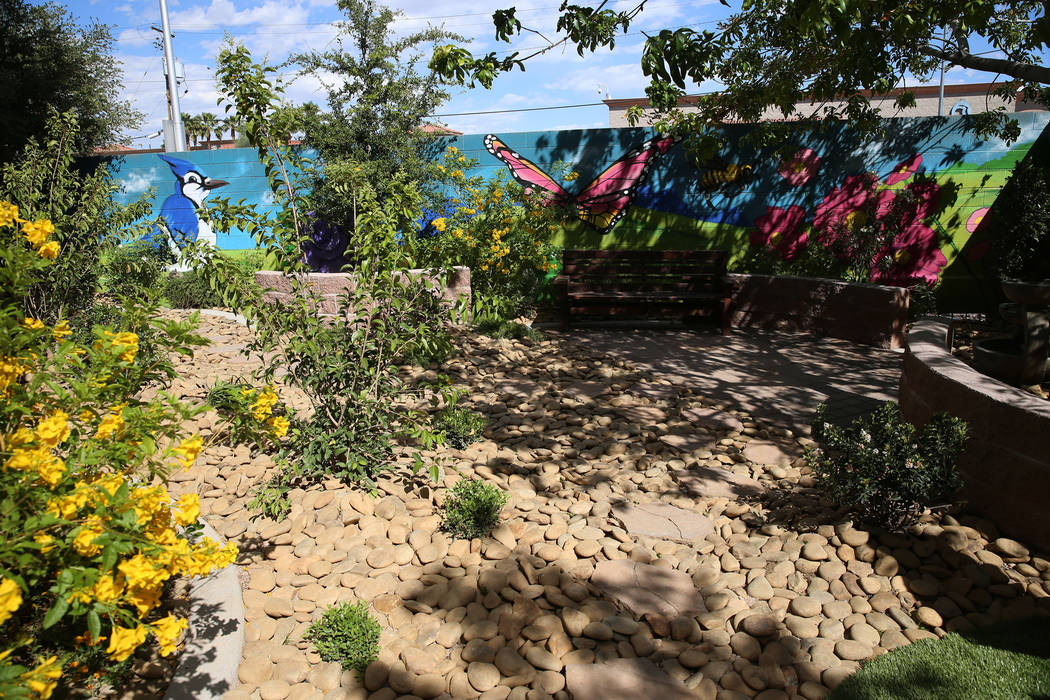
<point>654,542</point>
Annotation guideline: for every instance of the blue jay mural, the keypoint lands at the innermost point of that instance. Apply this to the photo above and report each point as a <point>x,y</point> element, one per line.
<point>179,221</point>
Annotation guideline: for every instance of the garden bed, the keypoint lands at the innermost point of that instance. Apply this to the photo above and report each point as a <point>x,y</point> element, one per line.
<point>619,485</point>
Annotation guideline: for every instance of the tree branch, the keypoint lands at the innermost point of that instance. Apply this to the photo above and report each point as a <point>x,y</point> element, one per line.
<point>1015,69</point>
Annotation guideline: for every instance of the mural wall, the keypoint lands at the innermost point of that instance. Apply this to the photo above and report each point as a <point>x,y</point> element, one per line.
<point>635,190</point>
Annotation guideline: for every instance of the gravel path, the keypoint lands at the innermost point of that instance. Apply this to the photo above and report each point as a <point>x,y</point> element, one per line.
<point>654,540</point>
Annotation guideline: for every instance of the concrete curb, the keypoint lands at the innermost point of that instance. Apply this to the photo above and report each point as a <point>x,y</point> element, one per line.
<point>214,638</point>
<point>223,314</point>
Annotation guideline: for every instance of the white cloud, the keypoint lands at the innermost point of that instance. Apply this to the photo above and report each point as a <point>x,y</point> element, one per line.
<point>139,182</point>
<point>220,14</point>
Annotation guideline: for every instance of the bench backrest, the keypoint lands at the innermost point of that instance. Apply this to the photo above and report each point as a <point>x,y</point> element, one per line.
<point>653,270</point>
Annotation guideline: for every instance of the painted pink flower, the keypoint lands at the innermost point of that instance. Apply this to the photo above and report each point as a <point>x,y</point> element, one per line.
<point>976,219</point>
<point>803,165</point>
<point>903,170</point>
<point>846,205</point>
<point>914,257</point>
<point>781,230</point>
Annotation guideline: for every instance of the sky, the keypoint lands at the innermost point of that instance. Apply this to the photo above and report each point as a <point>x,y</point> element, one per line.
<point>272,29</point>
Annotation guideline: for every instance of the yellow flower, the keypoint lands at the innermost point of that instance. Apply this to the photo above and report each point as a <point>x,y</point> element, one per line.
<point>457,173</point>
<point>140,572</point>
<point>144,598</point>
<point>54,429</point>
<point>36,232</point>
<point>84,542</point>
<point>111,423</point>
<point>11,369</point>
<point>441,168</point>
<point>21,437</point>
<point>148,502</point>
<point>189,509</point>
<point>189,449</point>
<point>107,589</point>
<point>43,679</point>
<point>110,482</point>
<point>124,641</point>
<point>440,223</point>
<point>8,214</point>
<point>279,425</point>
<point>50,468</point>
<point>49,250</point>
<point>10,598</point>
<point>263,405</point>
<point>128,343</point>
<point>69,505</point>
<point>33,324</point>
<point>61,331</point>
<point>45,542</point>
<point>167,630</point>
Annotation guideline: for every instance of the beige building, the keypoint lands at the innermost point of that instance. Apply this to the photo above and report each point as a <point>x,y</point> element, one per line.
<point>970,98</point>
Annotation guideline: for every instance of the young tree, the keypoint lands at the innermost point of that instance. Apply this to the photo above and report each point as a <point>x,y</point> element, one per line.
<point>48,60</point>
<point>379,96</point>
<point>777,54</point>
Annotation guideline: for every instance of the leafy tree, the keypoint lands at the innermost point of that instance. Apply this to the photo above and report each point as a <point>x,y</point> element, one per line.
<point>48,60</point>
<point>776,54</point>
<point>208,125</point>
<point>379,98</point>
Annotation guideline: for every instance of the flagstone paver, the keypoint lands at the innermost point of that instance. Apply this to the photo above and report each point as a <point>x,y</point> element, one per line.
<point>662,520</point>
<point>700,481</point>
<point>713,418</point>
<point>646,589</point>
<point>624,679</point>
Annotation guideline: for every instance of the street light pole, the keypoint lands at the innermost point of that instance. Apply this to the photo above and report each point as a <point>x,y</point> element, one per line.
<point>175,136</point>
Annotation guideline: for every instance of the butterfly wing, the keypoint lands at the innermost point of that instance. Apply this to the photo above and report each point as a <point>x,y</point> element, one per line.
<point>606,199</point>
<point>525,171</point>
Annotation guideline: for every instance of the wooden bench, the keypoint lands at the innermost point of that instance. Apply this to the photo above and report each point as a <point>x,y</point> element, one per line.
<point>686,284</point>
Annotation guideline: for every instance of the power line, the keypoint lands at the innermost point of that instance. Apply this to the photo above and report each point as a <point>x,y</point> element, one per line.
<point>521,109</point>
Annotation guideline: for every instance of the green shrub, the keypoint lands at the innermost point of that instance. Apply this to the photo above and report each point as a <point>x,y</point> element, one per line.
<point>191,290</point>
<point>460,426</point>
<point>472,508</point>
<point>347,633</point>
<point>885,469</point>
<point>1021,217</point>
<point>134,270</point>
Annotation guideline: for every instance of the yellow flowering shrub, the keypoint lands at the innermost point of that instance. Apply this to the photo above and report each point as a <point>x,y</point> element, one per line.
<point>89,536</point>
<point>497,229</point>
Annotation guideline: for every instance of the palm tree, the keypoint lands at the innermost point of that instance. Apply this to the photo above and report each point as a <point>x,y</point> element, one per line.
<point>207,124</point>
<point>231,124</point>
<point>191,124</point>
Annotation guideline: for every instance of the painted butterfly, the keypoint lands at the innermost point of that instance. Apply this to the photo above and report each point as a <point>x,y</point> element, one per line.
<point>605,200</point>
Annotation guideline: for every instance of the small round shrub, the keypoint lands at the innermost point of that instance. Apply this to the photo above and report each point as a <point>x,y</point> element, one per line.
<point>460,426</point>
<point>347,633</point>
<point>472,508</point>
<point>885,469</point>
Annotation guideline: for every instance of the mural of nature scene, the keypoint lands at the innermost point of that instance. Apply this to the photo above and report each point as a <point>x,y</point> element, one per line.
<point>635,190</point>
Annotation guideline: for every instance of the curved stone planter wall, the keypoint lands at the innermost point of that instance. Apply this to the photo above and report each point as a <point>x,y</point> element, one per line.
<point>872,314</point>
<point>1006,465</point>
<point>278,286</point>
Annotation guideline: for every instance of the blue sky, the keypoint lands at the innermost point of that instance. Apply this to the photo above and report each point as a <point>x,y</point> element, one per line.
<point>274,28</point>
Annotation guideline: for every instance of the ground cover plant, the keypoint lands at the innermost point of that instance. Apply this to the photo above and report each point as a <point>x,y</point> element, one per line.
<point>459,426</point>
<point>472,508</point>
<point>885,469</point>
<point>347,633</point>
<point>1009,660</point>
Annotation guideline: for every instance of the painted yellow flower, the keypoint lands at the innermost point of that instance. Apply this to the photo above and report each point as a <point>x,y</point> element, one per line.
<point>54,429</point>
<point>124,641</point>
<point>189,509</point>
<point>279,426</point>
<point>37,232</point>
<point>8,214</point>
<point>168,630</point>
<point>10,598</point>
<point>43,679</point>
<point>49,250</point>
<point>189,449</point>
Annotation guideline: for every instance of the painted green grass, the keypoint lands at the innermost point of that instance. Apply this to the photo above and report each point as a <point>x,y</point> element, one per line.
<point>1009,660</point>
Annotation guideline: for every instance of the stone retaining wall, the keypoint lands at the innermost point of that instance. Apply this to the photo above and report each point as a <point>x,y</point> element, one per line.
<point>871,314</point>
<point>1006,465</point>
<point>278,286</point>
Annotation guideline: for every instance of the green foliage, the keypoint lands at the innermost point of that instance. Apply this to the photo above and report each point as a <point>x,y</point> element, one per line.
<point>347,633</point>
<point>799,59</point>
<point>498,328</point>
<point>472,508</point>
<point>49,61</point>
<point>376,105</point>
<point>135,269</point>
<point>250,415</point>
<point>45,183</point>
<point>1020,223</point>
<point>460,426</point>
<point>191,289</point>
<point>1007,660</point>
<point>885,469</point>
<point>497,230</point>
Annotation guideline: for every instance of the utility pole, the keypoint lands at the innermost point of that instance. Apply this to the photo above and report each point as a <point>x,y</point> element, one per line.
<point>940,97</point>
<point>174,133</point>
